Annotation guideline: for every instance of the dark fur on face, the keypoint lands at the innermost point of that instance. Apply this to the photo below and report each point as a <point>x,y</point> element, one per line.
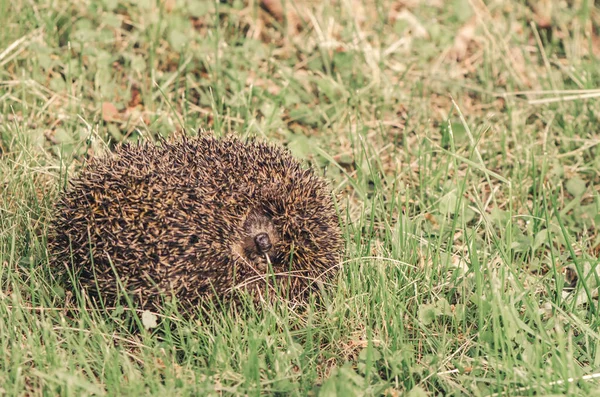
<point>259,241</point>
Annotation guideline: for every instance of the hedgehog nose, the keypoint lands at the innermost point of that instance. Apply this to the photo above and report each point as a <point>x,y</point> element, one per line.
<point>263,243</point>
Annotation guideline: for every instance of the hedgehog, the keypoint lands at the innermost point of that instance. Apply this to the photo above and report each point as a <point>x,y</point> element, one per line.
<point>195,219</point>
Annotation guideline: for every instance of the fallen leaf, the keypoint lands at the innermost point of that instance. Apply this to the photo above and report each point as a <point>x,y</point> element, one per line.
<point>136,97</point>
<point>462,40</point>
<point>542,10</point>
<point>277,10</point>
<point>149,319</point>
<point>169,5</point>
<point>109,111</point>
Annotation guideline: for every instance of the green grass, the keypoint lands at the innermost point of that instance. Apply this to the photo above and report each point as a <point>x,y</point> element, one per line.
<point>466,192</point>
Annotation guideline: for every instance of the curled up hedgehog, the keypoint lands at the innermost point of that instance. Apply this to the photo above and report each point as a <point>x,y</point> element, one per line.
<point>195,218</point>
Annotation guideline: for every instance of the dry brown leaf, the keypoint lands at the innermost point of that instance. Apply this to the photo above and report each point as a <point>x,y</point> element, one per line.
<point>169,5</point>
<point>276,9</point>
<point>109,111</point>
<point>136,97</point>
<point>267,85</point>
<point>462,40</point>
<point>595,47</point>
<point>542,10</point>
<point>391,392</point>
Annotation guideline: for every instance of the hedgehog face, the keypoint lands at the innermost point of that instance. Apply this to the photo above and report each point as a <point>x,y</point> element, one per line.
<point>288,232</point>
<point>259,241</point>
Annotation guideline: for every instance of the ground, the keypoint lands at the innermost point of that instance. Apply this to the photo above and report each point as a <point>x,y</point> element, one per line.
<point>460,138</point>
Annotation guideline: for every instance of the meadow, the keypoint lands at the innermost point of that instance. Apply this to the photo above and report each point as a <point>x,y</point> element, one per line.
<point>460,137</point>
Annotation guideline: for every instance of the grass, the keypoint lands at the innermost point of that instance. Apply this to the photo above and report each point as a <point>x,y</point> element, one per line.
<point>461,136</point>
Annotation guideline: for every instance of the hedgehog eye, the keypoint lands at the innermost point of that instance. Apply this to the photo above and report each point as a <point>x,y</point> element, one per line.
<point>262,242</point>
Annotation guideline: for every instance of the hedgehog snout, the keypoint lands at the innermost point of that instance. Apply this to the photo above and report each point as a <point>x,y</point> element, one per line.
<point>262,242</point>
<point>259,235</point>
